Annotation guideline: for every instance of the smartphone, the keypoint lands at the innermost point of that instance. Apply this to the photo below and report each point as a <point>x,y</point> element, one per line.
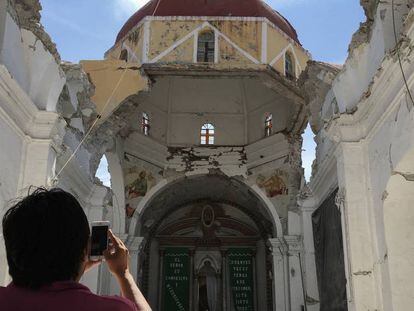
<point>99,239</point>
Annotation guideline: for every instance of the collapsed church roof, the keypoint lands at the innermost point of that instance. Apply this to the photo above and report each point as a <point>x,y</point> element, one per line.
<point>234,8</point>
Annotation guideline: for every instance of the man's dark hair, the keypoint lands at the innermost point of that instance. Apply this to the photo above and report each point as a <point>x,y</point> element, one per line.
<point>46,235</point>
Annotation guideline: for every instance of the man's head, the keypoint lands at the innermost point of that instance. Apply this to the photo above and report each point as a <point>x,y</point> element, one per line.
<point>46,236</point>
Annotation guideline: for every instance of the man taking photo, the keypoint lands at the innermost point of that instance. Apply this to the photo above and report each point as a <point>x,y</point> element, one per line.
<point>47,239</point>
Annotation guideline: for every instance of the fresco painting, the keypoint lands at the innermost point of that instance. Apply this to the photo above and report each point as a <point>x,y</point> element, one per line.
<point>274,185</point>
<point>138,183</point>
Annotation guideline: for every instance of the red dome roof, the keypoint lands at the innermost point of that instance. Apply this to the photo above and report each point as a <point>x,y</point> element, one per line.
<point>239,8</point>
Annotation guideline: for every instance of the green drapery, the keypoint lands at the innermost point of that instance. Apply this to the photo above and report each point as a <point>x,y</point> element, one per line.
<point>176,285</point>
<point>241,278</point>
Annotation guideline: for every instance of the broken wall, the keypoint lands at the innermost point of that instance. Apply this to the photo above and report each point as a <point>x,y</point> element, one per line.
<point>364,127</point>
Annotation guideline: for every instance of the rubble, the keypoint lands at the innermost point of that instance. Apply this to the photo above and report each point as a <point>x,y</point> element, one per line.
<point>26,13</point>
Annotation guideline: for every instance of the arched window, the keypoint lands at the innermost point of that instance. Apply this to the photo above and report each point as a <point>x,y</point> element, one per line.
<point>145,124</point>
<point>207,134</point>
<point>124,55</point>
<point>268,125</point>
<point>205,47</point>
<point>289,67</point>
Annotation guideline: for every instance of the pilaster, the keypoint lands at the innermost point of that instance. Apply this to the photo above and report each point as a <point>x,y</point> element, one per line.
<point>295,248</point>
<point>279,251</point>
<point>358,242</point>
<point>307,206</point>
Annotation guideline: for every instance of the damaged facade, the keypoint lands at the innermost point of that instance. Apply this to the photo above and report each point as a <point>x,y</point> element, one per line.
<point>199,112</point>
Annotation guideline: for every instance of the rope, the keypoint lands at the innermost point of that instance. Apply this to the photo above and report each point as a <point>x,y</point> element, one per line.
<point>398,52</point>
<point>99,116</point>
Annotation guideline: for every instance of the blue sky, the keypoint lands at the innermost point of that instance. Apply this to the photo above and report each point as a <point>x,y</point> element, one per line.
<point>85,29</point>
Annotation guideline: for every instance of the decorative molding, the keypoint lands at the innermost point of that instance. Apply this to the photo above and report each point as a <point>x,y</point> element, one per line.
<point>282,55</point>
<point>212,18</point>
<point>133,57</point>
<point>134,244</point>
<point>195,47</point>
<point>340,199</point>
<point>217,35</point>
<point>146,42</point>
<point>264,43</point>
<point>216,47</point>
<point>294,243</point>
<point>278,247</point>
<point>19,111</point>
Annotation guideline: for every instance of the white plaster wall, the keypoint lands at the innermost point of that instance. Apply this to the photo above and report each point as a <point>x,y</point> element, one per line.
<point>31,65</point>
<point>179,106</point>
<point>10,158</point>
<point>399,224</point>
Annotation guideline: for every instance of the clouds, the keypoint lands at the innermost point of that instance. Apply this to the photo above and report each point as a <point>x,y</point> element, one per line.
<point>125,8</point>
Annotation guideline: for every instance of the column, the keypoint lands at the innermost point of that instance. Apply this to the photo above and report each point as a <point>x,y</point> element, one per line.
<point>191,252</point>
<point>255,287</point>
<point>294,244</point>
<point>261,276</point>
<point>161,280</point>
<point>154,272</point>
<point>134,245</point>
<point>357,218</point>
<point>307,207</point>
<point>224,279</point>
<point>280,275</point>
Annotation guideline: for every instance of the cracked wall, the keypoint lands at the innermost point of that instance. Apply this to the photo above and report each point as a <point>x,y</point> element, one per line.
<point>363,120</point>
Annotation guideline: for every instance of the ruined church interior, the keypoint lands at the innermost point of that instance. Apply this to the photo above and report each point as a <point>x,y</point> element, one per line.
<point>199,109</point>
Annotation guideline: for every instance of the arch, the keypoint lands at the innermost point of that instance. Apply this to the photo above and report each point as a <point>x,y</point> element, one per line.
<point>257,196</point>
<point>399,236</point>
<point>206,47</point>
<point>117,192</point>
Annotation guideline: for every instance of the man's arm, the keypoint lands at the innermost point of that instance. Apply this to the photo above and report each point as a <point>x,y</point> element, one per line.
<point>117,259</point>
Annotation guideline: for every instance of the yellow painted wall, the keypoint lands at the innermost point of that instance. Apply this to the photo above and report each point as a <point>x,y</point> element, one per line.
<point>114,81</point>
<point>276,43</point>
<point>134,40</point>
<point>279,65</point>
<point>182,53</point>
<point>229,55</point>
<point>166,33</point>
<point>247,35</point>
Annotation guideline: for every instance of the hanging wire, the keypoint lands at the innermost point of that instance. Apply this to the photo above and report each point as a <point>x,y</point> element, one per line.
<point>398,52</point>
<point>98,117</point>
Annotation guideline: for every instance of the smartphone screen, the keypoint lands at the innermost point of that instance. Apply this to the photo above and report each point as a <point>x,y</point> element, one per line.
<point>99,240</point>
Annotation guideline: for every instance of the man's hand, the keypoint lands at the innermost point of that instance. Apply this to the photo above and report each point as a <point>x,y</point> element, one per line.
<point>117,256</point>
<point>90,264</point>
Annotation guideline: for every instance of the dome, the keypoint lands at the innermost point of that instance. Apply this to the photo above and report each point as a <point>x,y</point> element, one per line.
<point>236,8</point>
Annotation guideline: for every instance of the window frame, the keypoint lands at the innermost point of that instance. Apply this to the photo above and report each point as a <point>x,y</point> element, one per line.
<point>208,137</point>
<point>206,54</point>
<point>290,71</point>
<point>268,124</point>
<point>124,55</point>
<point>145,123</point>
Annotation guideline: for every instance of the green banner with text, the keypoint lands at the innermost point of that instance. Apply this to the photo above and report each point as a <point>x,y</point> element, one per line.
<point>241,278</point>
<point>176,279</point>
